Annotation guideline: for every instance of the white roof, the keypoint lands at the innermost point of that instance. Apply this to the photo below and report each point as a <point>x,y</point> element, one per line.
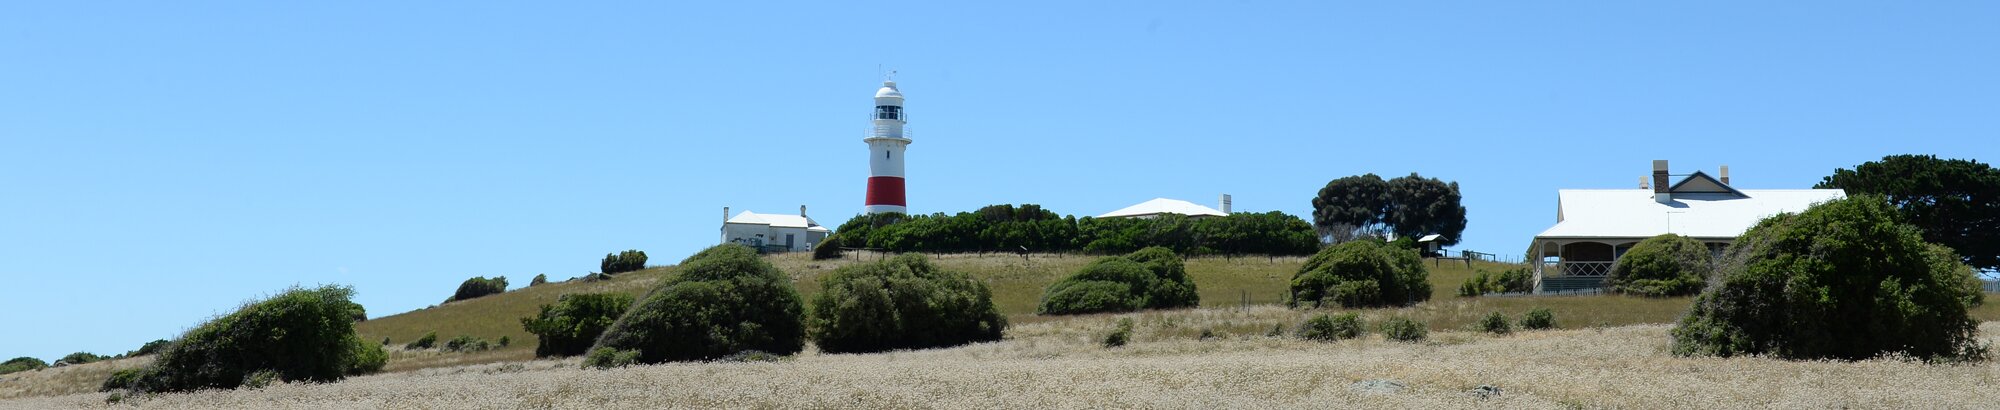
<point>1164,206</point>
<point>1632,213</point>
<point>777,220</point>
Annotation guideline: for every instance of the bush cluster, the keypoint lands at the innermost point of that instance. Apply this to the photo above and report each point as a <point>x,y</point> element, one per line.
<point>1332,327</point>
<point>479,286</point>
<point>902,303</point>
<point>1010,228</point>
<point>1662,266</point>
<point>22,364</point>
<point>540,279</point>
<point>467,344</point>
<point>1363,273</point>
<point>1841,280</point>
<point>573,323</point>
<point>725,300</point>
<point>299,334</point>
<point>428,340</point>
<point>78,358</point>
<point>828,248</point>
<point>1516,280</point>
<point>627,261</point>
<point>1404,330</point>
<point>1151,278</point>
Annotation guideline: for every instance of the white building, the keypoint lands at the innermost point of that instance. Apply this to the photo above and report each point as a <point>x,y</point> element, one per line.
<point>773,232</point>
<point>1594,227</point>
<point>1159,206</point>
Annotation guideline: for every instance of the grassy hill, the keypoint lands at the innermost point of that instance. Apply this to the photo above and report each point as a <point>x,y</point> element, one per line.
<point>1017,283</point>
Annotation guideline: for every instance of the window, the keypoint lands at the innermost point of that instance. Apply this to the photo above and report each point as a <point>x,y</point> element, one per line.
<point>888,112</point>
<point>885,154</point>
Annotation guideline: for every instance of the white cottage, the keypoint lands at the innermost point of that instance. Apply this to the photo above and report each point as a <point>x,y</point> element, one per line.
<point>773,232</point>
<point>1158,206</point>
<point>1594,227</point>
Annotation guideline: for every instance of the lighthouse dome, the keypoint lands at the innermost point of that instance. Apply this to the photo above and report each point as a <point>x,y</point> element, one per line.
<point>888,91</point>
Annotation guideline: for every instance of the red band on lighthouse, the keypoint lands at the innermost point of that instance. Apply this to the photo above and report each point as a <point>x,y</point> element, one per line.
<point>886,191</point>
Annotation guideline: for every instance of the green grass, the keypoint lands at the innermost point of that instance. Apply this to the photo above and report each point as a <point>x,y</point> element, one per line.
<point>1017,284</point>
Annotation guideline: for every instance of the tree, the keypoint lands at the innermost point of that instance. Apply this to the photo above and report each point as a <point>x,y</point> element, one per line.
<point>902,303</point>
<point>573,323</point>
<point>1421,206</point>
<point>300,334</point>
<point>478,286</point>
<point>1365,273</point>
<point>1410,206</point>
<point>1351,206</point>
<point>725,300</point>
<point>1956,203</point>
<point>1841,280</point>
<point>1662,266</point>
<point>627,261</point>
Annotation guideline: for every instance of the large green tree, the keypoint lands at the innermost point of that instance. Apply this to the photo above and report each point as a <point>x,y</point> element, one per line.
<point>1955,202</point>
<point>1409,206</point>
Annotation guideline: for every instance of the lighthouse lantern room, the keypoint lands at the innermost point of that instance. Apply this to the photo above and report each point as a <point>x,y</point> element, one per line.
<point>886,142</point>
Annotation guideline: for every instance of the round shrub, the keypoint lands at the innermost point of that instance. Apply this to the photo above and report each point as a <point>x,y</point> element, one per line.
<point>22,364</point>
<point>1538,319</point>
<point>1495,323</point>
<point>299,335</point>
<point>1119,335</point>
<point>1841,280</point>
<point>479,286</point>
<point>1151,278</point>
<point>1661,266</point>
<point>1404,330</point>
<point>1331,328</point>
<point>573,323</point>
<point>724,300</point>
<point>828,248</point>
<point>902,303</point>
<point>1363,273</point>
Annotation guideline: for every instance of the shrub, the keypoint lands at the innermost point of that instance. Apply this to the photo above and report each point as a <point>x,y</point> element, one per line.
<point>368,358</point>
<point>1841,280</point>
<point>122,379</point>
<point>540,279</point>
<point>725,300</point>
<point>828,248</point>
<point>300,334</point>
<point>627,261</point>
<point>605,358</point>
<point>1331,328</point>
<point>1365,273</point>
<point>261,379</point>
<point>1495,323</point>
<point>149,348</point>
<point>479,286</point>
<point>1516,280</point>
<point>1662,266</point>
<point>1538,319</point>
<point>1119,335</point>
<point>466,344</point>
<point>428,340</point>
<point>78,358</point>
<point>1404,329</point>
<point>902,303</point>
<point>1151,278</point>
<point>22,364</point>
<point>573,323</point>
<point>504,341</point>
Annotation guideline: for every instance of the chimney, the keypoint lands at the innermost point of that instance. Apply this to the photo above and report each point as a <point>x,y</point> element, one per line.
<point>1660,193</point>
<point>802,211</point>
<point>1225,204</point>
<point>725,214</point>
<point>1642,183</point>
<point>1725,175</point>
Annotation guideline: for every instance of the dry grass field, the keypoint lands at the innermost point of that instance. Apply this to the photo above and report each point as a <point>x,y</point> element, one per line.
<point>1058,364</point>
<point>1611,353</point>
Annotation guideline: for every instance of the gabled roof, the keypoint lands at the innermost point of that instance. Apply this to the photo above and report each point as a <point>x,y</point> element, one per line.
<point>1701,183</point>
<point>1163,206</point>
<point>777,220</point>
<point>1632,213</point>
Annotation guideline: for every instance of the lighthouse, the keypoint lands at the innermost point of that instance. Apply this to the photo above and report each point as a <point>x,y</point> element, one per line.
<point>886,142</point>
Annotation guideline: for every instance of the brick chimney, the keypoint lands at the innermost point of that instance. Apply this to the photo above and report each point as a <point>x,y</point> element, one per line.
<point>1725,175</point>
<point>1660,193</point>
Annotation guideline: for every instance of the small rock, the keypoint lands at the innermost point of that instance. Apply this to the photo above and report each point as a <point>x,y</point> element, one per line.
<point>1377,386</point>
<point>1484,391</point>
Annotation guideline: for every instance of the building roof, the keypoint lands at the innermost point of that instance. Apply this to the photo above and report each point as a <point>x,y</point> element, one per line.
<point>1163,206</point>
<point>1633,213</point>
<point>777,220</point>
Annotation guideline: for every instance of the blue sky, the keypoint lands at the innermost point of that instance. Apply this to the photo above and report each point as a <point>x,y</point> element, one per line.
<point>161,163</point>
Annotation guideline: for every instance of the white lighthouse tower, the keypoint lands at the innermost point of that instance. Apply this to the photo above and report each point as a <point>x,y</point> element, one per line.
<point>886,142</point>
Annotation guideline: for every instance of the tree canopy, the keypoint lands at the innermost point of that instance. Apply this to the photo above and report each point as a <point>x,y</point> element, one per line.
<point>1011,228</point>
<point>1409,206</point>
<point>1955,202</point>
